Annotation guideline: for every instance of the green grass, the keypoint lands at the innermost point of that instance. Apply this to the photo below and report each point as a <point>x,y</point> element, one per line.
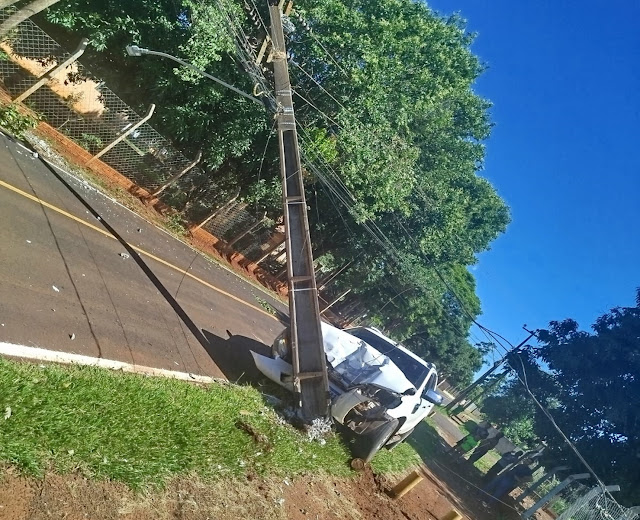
<point>425,440</point>
<point>142,431</point>
<point>397,460</point>
<point>15,121</point>
<point>486,462</point>
<point>266,305</point>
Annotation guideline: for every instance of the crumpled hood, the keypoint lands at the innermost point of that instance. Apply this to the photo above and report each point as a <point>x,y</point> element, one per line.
<point>357,362</point>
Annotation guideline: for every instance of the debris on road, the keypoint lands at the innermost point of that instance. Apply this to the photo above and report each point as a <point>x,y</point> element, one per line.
<point>28,241</point>
<point>318,429</point>
<point>55,288</point>
<point>72,336</point>
<point>124,255</point>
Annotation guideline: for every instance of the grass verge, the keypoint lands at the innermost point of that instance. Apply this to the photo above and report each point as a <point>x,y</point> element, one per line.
<point>143,431</point>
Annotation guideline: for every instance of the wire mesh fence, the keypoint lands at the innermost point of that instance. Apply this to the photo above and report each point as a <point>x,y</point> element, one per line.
<point>598,505</point>
<point>82,107</point>
<point>79,105</point>
<point>231,221</point>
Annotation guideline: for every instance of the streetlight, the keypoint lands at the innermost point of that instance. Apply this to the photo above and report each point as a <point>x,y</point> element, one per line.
<point>134,50</point>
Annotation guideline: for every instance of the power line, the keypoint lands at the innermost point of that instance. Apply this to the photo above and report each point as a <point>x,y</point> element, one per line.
<point>386,243</point>
<point>245,49</point>
<point>553,421</point>
<point>310,31</point>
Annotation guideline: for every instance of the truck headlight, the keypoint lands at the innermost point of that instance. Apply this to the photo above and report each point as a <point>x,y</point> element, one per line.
<point>281,347</point>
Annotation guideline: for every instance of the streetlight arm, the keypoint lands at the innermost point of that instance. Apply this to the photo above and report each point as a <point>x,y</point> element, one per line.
<point>134,50</point>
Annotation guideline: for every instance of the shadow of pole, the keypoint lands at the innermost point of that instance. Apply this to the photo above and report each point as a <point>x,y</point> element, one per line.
<point>180,312</point>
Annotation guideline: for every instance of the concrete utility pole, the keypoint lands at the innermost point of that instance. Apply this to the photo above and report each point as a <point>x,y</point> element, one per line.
<point>309,365</point>
<point>465,393</point>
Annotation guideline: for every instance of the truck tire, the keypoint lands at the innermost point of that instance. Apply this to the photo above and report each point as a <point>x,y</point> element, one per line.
<point>400,440</point>
<point>367,445</point>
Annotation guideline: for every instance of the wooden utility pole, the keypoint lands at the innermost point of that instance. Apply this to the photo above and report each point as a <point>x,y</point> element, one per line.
<point>309,365</point>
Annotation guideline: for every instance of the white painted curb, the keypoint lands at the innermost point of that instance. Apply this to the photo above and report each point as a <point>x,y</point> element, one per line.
<point>41,354</point>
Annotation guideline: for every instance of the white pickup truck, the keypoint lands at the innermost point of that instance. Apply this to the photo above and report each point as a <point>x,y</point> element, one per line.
<point>380,390</point>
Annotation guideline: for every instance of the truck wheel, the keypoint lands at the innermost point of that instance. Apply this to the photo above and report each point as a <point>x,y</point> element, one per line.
<point>400,440</point>
<point>367,445</point>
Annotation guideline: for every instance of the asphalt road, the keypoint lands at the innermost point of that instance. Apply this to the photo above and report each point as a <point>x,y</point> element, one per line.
<point>80,273</point>
<point>448,429</point>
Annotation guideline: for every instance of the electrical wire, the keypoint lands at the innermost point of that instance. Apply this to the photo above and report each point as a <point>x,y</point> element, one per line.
<point>310,31</point>
<point>485,331</point>
<point>384,241</point>
<point>245,49</point>
<point>547,414</point>
<point>441,466</point>
<point>257,12</point>
<point>264,154</point>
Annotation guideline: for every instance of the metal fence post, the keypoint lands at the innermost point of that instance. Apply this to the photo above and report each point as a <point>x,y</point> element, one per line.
<point>270,250</point>
<point>121,137</point>
<point>539,482</point>
<point>545,499</point>
<point>175,177</point>
<point>335,301</point>
<point>47,76</point>
<point>221,208</point>
<point>248,230</point>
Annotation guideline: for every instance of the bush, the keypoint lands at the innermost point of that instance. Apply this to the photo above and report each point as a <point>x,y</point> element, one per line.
<point>14,121</point>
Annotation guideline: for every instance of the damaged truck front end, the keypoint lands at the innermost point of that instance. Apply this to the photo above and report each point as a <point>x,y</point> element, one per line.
<point>376,393</point>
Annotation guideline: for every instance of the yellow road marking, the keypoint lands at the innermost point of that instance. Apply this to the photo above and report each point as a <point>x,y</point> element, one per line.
<point>137,249</point>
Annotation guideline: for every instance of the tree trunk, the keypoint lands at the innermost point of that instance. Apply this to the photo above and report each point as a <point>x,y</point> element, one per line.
<point>23,13</point>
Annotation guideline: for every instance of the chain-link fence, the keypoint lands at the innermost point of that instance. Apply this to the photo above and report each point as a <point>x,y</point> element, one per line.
<point>598,505</point>
<point>80,106</point>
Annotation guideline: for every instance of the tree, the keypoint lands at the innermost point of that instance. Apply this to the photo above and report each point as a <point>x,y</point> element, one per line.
<point>390,127</point>
<point>515,413</point>
<point>599,400</point>
<point>589,383</point>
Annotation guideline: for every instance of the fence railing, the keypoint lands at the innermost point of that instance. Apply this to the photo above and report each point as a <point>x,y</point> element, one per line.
<point>598,504</point>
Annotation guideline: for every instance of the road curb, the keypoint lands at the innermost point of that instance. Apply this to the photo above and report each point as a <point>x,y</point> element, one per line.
<point>53,356</point>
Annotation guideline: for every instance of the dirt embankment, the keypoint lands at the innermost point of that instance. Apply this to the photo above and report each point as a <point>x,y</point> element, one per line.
<point>74,497</point>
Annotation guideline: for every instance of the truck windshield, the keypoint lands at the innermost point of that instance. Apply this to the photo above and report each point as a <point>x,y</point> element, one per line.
<point>413,370</point>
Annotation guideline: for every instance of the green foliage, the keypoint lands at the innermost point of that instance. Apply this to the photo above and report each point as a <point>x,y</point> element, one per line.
<point>266,306</point>
<point>91,143</point>
<point>175,223</point>
<point>265,194</point>
<point>596,399</point>
<point>394,130</point>
<point>514,413</point>
<point>588,381</point>
<point>15,121</point>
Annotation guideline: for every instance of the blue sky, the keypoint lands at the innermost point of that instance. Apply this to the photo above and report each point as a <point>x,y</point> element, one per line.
<point>564,78</point>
